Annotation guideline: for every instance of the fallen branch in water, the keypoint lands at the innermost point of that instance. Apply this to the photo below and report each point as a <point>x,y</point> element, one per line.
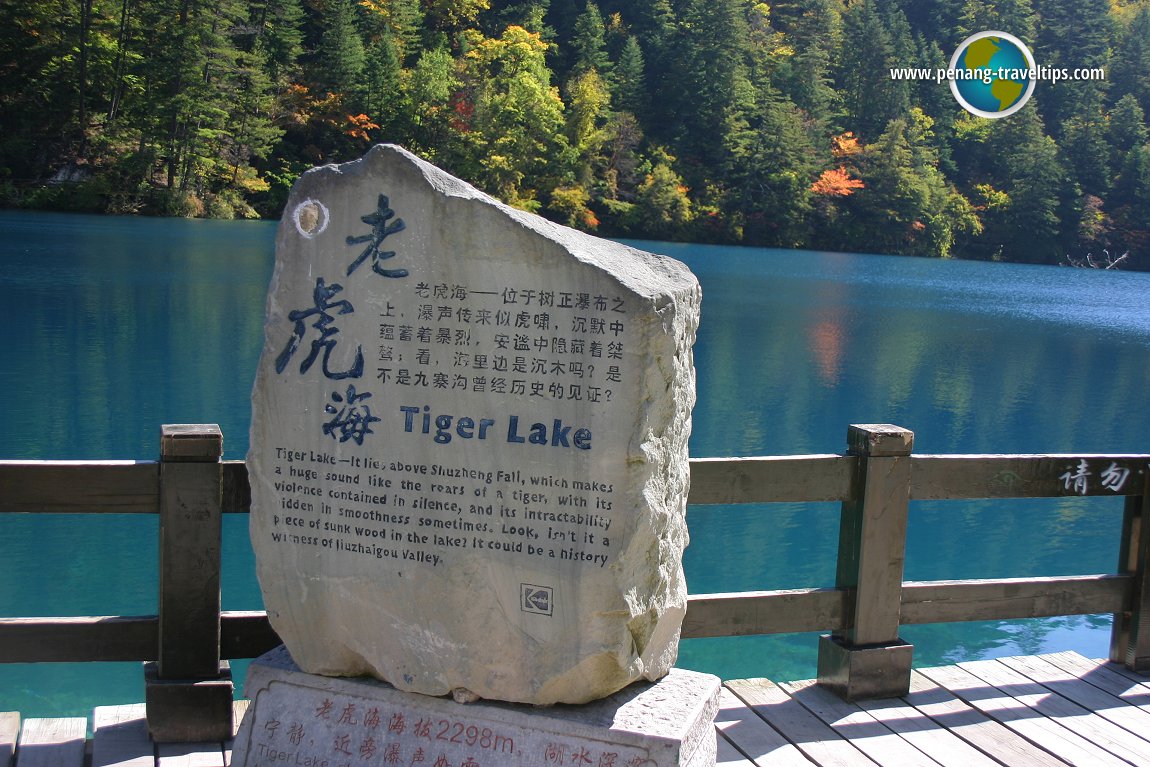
<point>1089,262</point>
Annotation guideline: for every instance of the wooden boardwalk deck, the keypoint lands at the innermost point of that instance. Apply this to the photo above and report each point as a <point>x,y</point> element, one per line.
<point>1049,710</point>
<point>120,739</point>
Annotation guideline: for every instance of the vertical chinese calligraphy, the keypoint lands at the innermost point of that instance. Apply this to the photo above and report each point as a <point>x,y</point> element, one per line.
<point>380,231</point>
<point>353,419</point>
<point>326,342</point>
<point>351,415</point>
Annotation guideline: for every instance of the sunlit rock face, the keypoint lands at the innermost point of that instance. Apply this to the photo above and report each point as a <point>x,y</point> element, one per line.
<point>469,441</point>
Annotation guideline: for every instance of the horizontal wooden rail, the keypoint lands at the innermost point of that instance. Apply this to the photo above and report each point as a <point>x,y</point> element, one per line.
<point>80,487</point>
<point>775,479</point>
<point>102,487</point>
<point>961,477</point>
<point>121,638</point>
<point>746,613</point>
<point>132,487</point>
<point>801,610</point>
<point>1010,598</point>
<point>248,634</point>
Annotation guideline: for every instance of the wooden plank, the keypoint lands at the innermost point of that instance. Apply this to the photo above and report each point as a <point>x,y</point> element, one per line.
<point>239,710</point>
<point>120,737</point>
<point>1133,676</point>
<point>1070,715</point>
<point>237,492</point>
<point>946,477</point>
<point>9,732</point>
<point>980,731</point>
<point>189,755</point>
<point>754,737</point>
<point>1103,675</point>
<point>856,725</point>
<point>925,734</point>
<point>764,612</point>
<point>1069,686</point>
<point>99,638</point>
<point>52,742</point>
<point>133,486</point>
<point>1027,722</point>
<point>79,487</point>
<point>246,634</point>
<point>1141,677</point>
<point>1142,680</point>
<point>800,610</point>
<point>728,756</point>
<point>190,498</point>
<point>773,479</point>
<point>1007,598</point>
<point>812,736</point>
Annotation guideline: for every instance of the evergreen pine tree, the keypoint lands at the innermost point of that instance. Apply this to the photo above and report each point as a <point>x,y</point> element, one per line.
<point>341,53</point>
<point>1127,128</point>
<point>1014,16</point>
<point>1073,34</point>
<point>589,43</point>
<point>1130,72</point>
<point>629,85</point>
<point>279,38</point>
<point>814,32</point>
<point>1027,229</point>
<point>1084,143</point>
<point>1130,201</point>
<point>694,98</point>
<point>381,88</point>
<point>772,166</point>
<point>871,97</point>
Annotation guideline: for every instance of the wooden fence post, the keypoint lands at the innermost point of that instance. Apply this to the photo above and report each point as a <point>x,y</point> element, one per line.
<point>868,659</point>
<point>1130,637</point>
<point>188,688</point>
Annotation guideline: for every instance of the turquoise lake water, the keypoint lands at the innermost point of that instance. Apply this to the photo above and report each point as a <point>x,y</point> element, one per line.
<point>118,325</point>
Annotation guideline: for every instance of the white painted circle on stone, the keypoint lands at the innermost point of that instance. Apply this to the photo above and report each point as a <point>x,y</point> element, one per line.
<point>310,218</point>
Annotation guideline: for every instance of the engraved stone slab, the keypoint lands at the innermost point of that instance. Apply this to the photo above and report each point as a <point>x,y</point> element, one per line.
<point>304,719</point>
<point>468,452</point>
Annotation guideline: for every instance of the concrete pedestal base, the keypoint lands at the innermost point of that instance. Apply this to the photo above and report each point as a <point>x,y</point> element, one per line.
<point>866,671</point>
<point>304,719</point>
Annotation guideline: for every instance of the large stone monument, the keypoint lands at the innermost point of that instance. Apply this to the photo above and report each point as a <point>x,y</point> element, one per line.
<point>469,445</point>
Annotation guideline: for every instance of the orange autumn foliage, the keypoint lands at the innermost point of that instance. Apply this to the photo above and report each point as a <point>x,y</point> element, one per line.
<point>358,127</point>
<point>836,182</point>
<point>845,145</point>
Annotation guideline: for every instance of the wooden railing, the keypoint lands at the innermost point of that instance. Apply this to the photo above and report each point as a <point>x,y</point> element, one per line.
<point>190,487</point>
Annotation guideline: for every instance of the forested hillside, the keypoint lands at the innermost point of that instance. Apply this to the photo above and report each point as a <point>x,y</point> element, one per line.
<point>709,120</point>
